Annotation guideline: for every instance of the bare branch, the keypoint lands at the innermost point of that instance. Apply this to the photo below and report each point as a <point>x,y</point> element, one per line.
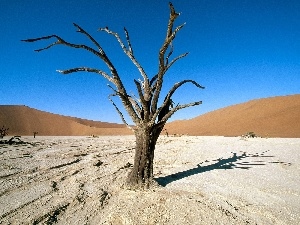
<point>135,98</point>
<point>153,79</point>
<point>143,101</point>
<point>116,35</point>
<point>170,53</point>
<point>90,37</point>
<point>178,107</point>
<point>173,16</point>
<point>166,44</point>
<point>128,40</point>
<point>139,89</point>
<point>100,54</point>
<point>117,93</point>
<point>119,112</point>
<point>163,67</point>
<point>62,41</point>
<point>135,105</point>
<point>169,96</point>
<point>87,69</point>
<point>179,84</point>
<point>175,59</point>
<point>114,90</point>
<point>131,99</point>
<point>44,38</point>
<point>40,38</point>
<point>129,53</point>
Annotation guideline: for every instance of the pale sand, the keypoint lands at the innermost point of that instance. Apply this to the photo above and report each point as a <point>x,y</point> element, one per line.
<point>206,180</point>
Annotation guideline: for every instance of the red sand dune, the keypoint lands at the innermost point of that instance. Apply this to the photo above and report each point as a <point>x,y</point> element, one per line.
<point>267,117</point>
<point>22,120</point>
<point>272,117</point>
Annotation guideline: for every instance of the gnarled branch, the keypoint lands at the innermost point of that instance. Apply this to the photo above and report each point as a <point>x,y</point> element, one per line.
<point>87,69</point>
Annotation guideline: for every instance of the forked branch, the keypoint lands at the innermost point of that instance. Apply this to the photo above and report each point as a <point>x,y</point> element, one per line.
<point>164,64</point>
<point>80,30</point>
<point>129,52</point>
<point>178,107</point>
<point>168,99</point>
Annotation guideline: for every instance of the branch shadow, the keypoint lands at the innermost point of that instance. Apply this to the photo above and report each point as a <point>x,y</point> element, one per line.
<point>233,162</point>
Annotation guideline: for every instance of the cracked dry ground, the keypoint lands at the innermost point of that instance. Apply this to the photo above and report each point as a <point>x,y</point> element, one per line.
<point>60,180</point>
<point>78,180</point>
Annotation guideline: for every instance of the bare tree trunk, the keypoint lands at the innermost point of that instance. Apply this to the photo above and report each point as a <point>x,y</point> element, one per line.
<point>141,175</point>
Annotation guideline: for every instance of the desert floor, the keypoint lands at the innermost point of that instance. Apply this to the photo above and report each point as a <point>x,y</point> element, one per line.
<point>204,180</point>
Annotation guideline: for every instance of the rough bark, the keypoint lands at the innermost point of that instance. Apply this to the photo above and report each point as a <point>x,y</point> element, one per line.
<point>141,175</point>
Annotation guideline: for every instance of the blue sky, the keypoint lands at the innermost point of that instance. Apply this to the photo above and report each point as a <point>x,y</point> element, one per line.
<point>238,49</point>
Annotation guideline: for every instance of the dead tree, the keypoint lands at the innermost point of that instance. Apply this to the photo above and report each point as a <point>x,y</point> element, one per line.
<point>35,133</point>
<point>149,118</point>
<point>3,131</point>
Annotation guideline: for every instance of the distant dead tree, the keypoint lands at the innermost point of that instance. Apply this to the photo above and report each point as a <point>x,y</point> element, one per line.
<point>3,131</point>
<point>35,133</point>
<point>148,116</point>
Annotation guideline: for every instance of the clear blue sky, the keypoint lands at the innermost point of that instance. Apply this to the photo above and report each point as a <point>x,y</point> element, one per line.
<point>239,50</point>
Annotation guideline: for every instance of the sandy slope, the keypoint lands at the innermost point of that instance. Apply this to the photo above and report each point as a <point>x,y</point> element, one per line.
<point>23,120</point>
<point>205,180</point>
<point>267,117</point>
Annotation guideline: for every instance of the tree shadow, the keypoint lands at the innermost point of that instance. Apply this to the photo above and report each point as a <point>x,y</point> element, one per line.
<point>233,162</point>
